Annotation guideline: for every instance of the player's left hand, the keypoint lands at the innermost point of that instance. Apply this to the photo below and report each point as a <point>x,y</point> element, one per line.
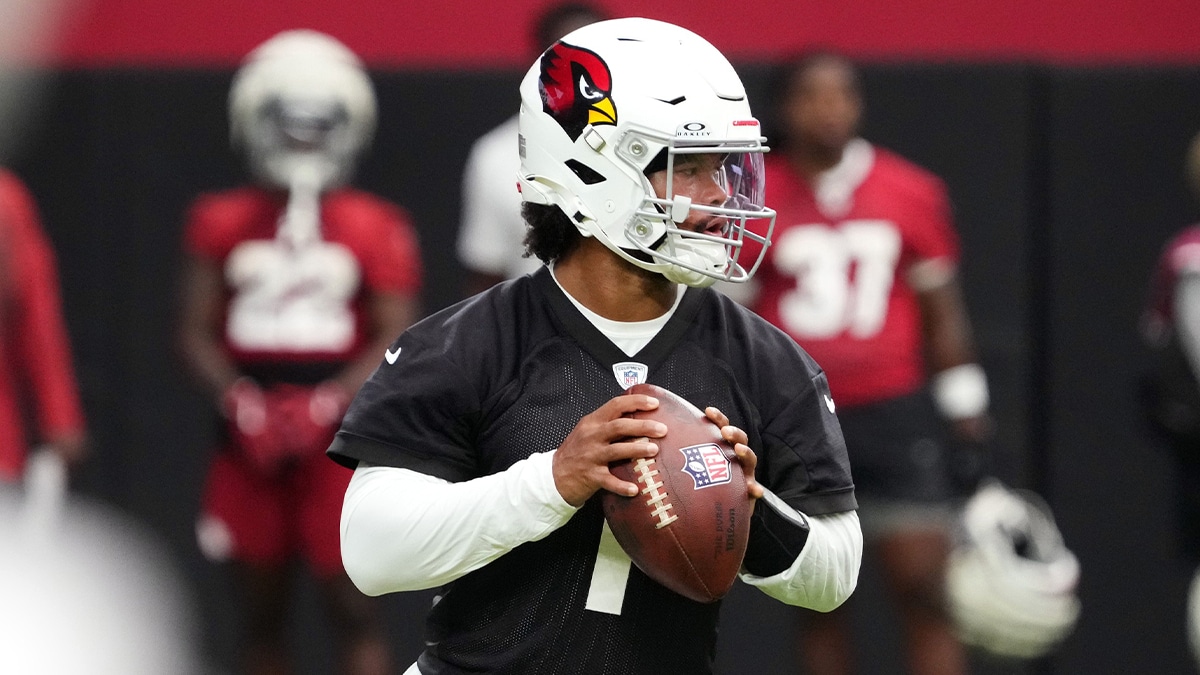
<point>738,439</point>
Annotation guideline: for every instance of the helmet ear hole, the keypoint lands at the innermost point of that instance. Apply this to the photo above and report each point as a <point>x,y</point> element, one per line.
<point>1022,546</point>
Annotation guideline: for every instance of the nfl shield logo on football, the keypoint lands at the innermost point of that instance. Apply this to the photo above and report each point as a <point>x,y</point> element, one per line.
<point>630,373</point>
<point>706,464</point>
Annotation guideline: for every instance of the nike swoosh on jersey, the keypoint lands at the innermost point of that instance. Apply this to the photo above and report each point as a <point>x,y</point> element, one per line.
<point>829,403</point>
<point>391,356</point>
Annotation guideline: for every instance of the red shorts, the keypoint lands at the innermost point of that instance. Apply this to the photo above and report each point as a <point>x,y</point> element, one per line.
<point>268,518</point>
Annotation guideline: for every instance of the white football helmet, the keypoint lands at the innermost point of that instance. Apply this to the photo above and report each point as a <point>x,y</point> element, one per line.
<point>1011,581</point>
<point>302,106</point>
<point>614,98</point>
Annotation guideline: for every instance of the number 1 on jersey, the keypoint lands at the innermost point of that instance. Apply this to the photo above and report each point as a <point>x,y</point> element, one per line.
<point>610,576</point>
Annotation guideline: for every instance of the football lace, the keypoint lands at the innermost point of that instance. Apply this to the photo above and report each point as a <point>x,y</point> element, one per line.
<point>646,473</point>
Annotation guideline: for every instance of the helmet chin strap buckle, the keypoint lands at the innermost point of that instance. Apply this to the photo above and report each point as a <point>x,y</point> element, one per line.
<point>680,206</point>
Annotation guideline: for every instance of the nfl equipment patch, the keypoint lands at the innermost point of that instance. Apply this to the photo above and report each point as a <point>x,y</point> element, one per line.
<point>629,373</point>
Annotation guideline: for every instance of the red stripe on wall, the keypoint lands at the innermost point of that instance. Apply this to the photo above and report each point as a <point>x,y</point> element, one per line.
<point>468,33</point>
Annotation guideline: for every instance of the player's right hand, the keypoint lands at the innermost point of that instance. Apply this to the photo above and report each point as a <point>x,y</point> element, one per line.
<point>604,436</point>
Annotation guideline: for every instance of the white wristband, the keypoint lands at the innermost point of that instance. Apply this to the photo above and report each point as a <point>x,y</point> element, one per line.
<point>961,391</point>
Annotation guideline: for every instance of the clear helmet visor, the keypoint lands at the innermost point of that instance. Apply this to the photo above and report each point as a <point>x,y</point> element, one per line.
<point>712,204</point>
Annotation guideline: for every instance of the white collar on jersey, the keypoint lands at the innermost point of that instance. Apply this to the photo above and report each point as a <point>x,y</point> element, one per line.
<point>834,188</point>
<point>629,336</point>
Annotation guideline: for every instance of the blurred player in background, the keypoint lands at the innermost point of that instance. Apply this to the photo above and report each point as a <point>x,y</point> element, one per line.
<point>1171,327</point>
<point>862,274</point>
<point>492,230</point>
<point>293,289</point>
<point>482,442</point>
<point>37,382</point>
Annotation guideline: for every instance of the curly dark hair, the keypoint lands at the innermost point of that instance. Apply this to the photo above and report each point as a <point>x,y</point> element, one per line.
<point>549,234</point>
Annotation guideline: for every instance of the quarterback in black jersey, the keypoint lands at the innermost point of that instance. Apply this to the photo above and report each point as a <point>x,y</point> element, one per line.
<point>482,440</point>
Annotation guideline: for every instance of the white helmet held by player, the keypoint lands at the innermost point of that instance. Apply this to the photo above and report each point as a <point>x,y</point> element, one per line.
<point>1011,582</point>
<point>616,100</point>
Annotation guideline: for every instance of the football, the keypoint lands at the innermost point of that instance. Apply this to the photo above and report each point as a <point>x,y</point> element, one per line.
<point>687,528</point>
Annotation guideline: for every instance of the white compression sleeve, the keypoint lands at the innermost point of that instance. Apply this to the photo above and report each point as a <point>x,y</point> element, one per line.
<point>404,531</point>
<point>826,571</point>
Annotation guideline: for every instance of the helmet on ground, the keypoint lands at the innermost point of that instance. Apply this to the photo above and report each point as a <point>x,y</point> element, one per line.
<point>1011,580</point>
<point>615,101</point>
<point>302,108</point>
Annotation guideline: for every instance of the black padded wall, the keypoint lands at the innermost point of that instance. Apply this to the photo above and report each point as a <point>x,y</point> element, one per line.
<point>1115,193</point>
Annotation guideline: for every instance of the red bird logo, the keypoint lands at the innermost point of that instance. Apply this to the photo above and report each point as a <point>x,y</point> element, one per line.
<point>576,88</point>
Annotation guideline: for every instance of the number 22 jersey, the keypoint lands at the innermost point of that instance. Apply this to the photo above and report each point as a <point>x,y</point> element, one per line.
<point>299,305</point>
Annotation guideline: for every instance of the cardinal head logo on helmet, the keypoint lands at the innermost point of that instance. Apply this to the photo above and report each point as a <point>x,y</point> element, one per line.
<point>576,88</point>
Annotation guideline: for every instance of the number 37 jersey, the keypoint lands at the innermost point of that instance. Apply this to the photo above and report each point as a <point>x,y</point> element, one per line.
<point>848,256</point>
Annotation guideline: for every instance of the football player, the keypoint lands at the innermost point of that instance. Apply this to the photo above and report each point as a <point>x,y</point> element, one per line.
<point>36,375</point>
<point>1171,328</point>
<point>862,274</point>
<point>482,441</point>
<point>491,234</point>
<point>293,287</point>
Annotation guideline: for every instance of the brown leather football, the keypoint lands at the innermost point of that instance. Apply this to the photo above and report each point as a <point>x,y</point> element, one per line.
<point>687,528</point>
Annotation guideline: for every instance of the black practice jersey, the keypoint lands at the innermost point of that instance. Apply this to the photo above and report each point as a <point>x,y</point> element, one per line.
<point>508,373</point>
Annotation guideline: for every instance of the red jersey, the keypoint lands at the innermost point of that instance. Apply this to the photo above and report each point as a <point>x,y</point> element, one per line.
<point>302,304</point>
<point>36,377</point>
<point>839,276</point>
